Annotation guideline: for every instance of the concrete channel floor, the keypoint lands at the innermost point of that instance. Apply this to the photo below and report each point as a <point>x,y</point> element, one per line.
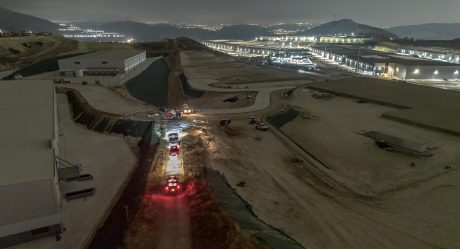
<point>108,158</point>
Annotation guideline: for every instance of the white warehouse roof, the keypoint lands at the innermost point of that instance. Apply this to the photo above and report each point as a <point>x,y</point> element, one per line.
<point>26,131</point>
<point>117,54</point>
<point>28,190</point>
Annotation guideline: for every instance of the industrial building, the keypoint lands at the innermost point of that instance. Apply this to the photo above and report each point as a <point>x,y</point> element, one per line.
<point>29,185</point>
<point>440,54</point>
<point>253,49</point>
<point>370,62</point>
<point>343,39</point>
<point>318,39</point>
<point>295,38</point>
<point>110,62</point>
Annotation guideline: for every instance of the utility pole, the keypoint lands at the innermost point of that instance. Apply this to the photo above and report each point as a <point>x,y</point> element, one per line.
<point>325,48</point>
<point>357,64</point>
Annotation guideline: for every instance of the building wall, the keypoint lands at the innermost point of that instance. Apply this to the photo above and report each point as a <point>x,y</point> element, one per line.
<point>400,71</point>
<point>76,64</point>
<point>433,72</point>
<point>343,40</point>
<point>447,57</point>
<point>134,61</point>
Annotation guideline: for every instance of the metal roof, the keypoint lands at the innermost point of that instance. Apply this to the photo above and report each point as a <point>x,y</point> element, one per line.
<point>121,54</point>
<point>26,131</point>
<point>369,56</point>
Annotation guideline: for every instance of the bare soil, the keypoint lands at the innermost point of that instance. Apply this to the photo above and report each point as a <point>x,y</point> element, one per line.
<point>318,211</point>
<point>213,100</point>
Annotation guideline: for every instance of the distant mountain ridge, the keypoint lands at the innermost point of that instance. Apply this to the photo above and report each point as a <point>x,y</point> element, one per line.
<point>428,31</point>
<point>348,26</point>
<point>142,31</point>
<point>154,32</point>
<point>14,21</point>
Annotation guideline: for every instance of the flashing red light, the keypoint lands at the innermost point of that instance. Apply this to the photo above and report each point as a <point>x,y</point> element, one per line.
<point>178,186</point>
<point>166,188</point>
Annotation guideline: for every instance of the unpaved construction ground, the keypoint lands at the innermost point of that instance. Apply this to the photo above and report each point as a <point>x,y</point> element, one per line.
<point>424,106</point>
<point>213,100</point>
<point>332,129</point>
<point>205,65</point>
<point>366,197</point>
<point>289,193</point>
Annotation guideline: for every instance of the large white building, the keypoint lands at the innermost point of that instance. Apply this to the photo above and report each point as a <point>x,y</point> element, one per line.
<point>110,62</point>
<point>29,186</point>
<point>371,62</point>
<point>440,54</point>
<point>317,39</point>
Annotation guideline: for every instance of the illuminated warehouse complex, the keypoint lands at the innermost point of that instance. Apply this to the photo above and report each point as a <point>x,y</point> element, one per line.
<point>318,39</point>
<point>102,63</point>
<point>373,62</point>
<point>233,48</point>
<point>441,54</point>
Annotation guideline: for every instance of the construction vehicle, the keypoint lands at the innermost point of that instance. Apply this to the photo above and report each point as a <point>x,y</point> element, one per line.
<point>262,126</point>
<point>186,109</point>
<point>225,122</point>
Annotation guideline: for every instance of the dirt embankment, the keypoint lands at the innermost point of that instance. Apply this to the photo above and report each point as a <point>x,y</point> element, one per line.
<point>211,225</point>
<point>175,96</point>
<point>142,231</point>
<point>110,234</point>
<point>22,51</point>
<point>100,121</point>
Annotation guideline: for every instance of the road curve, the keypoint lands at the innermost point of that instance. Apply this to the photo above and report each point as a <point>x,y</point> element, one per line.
<point>262,100</point>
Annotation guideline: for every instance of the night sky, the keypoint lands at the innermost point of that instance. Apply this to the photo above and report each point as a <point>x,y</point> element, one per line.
<point>379,13</point>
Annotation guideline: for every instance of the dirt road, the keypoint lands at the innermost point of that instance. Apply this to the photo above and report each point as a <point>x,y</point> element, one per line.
<point>174,224</point>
